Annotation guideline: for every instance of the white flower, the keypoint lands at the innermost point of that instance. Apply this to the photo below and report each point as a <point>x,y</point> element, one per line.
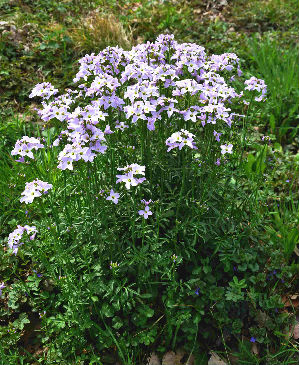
<point>226,149</point>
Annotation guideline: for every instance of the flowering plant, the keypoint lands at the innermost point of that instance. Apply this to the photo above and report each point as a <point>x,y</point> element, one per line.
<point>152,113</point>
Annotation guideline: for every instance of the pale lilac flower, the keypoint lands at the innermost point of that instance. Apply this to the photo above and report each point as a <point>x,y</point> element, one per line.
<point>170,109</point>
<point>217,136</point>
<point>15,236</point>
<point>2,286</point>
<point>44,90</point>
<point>136,169</point>
<point>113,196</point>
<point>56,142</point>
<point>24,147</point>
<point>31,231</point>
<point>190,115</point>
<point>75,152</point>
<point>65,163</point>
<point>257,84</point>
<point>146,212</point>
<point>121,126</point>
<point>108,130</point>
<point>174,257</point>
<point>226,149</point>
<point>180,139</point>
<point>34,189</point>
<point>128,178</point>
<point>21,159</point>
<point>146,202</point>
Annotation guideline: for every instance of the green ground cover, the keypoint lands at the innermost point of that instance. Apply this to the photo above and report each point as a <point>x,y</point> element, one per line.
<point>215,272</point>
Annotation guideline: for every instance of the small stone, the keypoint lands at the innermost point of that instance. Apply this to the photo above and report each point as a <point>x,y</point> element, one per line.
<point>296,331</point>
<point>190,360</point>
<point>215,360</point>
<point>223,2</point>
<point>171,358</point>
<point>153,360</point>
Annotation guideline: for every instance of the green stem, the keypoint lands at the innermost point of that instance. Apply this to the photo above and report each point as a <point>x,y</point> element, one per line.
<point>65,202</point>
<point>143,226</point>
<point>134,218</point>
<point>245,123</point>
<point>181,193</point>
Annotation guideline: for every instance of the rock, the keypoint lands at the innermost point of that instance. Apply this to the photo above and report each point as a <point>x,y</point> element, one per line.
<point>171,358</point>
<point>296,331</point>
<point>190,360</point>
<point>153,360</point>
<point>215,360</point>
<point>223,3</point>
<point>4,25</point>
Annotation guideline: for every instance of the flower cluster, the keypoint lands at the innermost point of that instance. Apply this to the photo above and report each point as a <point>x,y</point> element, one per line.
<point>180,139</point>
<point>15,237</point>
<point>44,90</point>
<point>24,147</point>
<point>132,84</point>
<point>33,189</point>
<point>129,177</point>
<point>257,84</point>
<point>113,265</point>
<point>197,291</point>
<point>174,257</point>
<point>75,152</point>
<point>266,139</point>
<point>129,83</point>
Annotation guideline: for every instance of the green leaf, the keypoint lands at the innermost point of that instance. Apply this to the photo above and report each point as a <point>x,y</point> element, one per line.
<point>254,267</point>
<point>147,311</point>
<point>146,295</point>
<point>21,321</point>
<point>277,147</point>
<point>168,213</point>
<point>107,310</point>
<point>117,322</point>
<point>250,161</point>
<point>272,122</point>
<point>206,269</point>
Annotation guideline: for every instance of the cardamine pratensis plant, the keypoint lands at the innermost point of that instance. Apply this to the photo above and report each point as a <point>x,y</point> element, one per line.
<point>135,176</point>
